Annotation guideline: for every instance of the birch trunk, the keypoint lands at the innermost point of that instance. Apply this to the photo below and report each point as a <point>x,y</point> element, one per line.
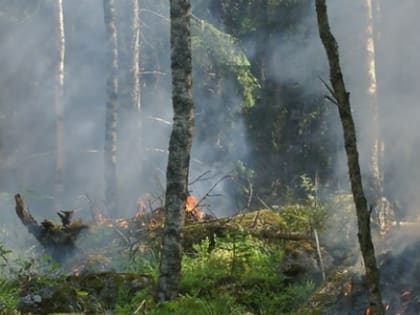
<point>59,111</point>
<point>375,173</point>
<point>135,93</point>
<point>111,114</point>
<point>135,58</point>
<point>344,108</point>
<point>179,150</point>
<point>383,214</point>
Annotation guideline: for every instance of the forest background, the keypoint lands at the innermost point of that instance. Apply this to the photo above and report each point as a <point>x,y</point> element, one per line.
<point>261,115</point>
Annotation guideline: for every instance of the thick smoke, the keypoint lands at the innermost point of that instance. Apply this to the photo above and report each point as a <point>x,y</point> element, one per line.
<point>28,57</point>
<point>27,95</point>
<point>397,73</point>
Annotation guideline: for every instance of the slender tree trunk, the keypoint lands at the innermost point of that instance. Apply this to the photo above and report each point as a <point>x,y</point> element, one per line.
<point>135,57</point>
<point>179,150</point>
<point>363,215</point>
<point>135,78</point>
<point>59,91</point>
<point>260,63</point>
<point>375,172</point>
<point>110,152</point>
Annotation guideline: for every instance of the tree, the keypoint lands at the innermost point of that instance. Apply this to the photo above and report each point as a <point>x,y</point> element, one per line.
<point>135,93</point>
<point>59,89</point>
<point>376,174</point>
<point>111,115</point>
<point>342,99</point>
<point>135,57</point>
<point>179,150</point>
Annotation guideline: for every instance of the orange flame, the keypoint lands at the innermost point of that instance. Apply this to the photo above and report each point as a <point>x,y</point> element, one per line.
<point>190,203</point>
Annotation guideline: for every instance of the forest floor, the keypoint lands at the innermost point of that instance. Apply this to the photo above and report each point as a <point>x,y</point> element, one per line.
<point>261,262</point>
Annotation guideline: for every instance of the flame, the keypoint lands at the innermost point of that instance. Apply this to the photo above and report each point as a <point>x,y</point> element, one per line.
<point>347,288</point>
<point>122,223</point>
<point>190,203</point>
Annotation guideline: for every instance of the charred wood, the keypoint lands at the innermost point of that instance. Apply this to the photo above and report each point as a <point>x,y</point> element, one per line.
<point>57,240</point>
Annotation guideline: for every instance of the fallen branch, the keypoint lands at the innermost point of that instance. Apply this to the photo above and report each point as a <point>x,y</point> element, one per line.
<point>268,226</point>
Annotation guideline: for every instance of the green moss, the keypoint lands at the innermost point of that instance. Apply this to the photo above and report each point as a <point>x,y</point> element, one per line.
<point>255,221</point>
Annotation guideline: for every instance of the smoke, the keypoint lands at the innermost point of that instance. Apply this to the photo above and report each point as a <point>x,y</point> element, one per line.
<point>397,74</point>
<point>27,122</point>
<point>27,136</point>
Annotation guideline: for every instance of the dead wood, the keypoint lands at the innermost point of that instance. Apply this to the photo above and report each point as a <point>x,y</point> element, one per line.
<point>57,240</point>
<point>268,226</point>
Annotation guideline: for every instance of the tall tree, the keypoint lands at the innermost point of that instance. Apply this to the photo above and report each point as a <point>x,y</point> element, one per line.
<point>376,174</point>
<point>135,93</point>
<point>135,57</point>
<point>179,150</point>
<point>111,114</point>
<point>59,90</point>
<point>342,99</point>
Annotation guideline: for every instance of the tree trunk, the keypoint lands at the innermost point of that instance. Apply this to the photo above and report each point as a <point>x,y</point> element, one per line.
<point>135,58</point>
<point>363,215</point>
<point>135,93</point>
<point>59,91</point>
<point>179,150</point>
<point>262,40</point>
<point>372,92</point>
<point>110,150</point>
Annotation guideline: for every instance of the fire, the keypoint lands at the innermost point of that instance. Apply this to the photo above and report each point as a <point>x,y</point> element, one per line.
<point>347,288</point>
<point>190,203</point>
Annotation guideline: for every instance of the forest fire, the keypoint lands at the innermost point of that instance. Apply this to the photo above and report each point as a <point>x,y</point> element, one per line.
<point>190,203</point>
<point>148,217</point>
<point>398,270</point>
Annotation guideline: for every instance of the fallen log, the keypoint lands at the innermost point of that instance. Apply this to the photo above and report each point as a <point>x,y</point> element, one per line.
<point>57,240</point>
<point>264,224</point>
<point>90,293</point>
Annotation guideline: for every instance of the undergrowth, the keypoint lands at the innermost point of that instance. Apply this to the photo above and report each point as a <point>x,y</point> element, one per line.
<point>234,274</point>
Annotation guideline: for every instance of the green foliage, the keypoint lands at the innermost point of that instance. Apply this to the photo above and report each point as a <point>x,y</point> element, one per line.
<point>4,252</point>
<point>146,262</point>
<point>191,305</point>
<point>219,53</point>
<point>8,291</point>
<point>9,295</point>
<point>233,274</point>
<point>244,268</point>
<point>309,213</point>
<point>242,176</point>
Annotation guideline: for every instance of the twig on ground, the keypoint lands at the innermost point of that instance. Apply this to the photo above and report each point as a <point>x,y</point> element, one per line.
<point>121,234</point>
<point>318,249</point>
<point>264,204</point>
<point>138,309</point>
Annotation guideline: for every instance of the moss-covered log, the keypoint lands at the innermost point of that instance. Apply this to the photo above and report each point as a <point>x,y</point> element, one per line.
<point>263,224</point>
<point>88,293</point>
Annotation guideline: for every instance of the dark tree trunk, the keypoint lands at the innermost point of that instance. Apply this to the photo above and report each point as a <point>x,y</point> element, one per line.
<point>59,90</point>
<point>179,150</point>
<point>110,150</point>
<point>363,215</point>
<point>262,40</point>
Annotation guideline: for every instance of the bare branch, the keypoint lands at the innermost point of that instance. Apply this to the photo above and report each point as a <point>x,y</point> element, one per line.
<point>199,177</point>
